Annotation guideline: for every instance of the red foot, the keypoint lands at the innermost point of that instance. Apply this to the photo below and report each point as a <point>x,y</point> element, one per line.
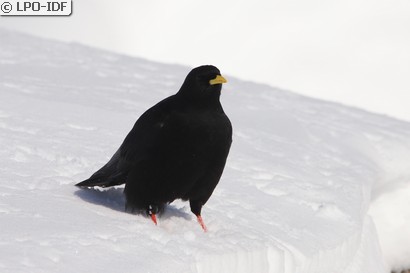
<point>154,218</point>
<point>201,222</point>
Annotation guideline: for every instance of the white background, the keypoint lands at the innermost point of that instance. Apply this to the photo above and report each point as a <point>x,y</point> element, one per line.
<point>353,51</point>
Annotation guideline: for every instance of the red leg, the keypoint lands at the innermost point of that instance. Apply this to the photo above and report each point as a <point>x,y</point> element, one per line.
<point>154,218</point>
<point>201,222</point>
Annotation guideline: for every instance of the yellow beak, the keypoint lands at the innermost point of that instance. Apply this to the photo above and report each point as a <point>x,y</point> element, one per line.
<point>218,80</point>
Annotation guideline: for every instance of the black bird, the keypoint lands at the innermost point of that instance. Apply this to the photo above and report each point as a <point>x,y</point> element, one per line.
<point>177,149</point>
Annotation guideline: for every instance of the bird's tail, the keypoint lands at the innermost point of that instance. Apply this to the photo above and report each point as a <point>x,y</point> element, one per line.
<point>98,180</point>
<point>109,175</point>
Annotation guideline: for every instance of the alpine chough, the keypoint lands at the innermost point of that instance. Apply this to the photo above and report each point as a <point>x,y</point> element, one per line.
<point>177,149</point>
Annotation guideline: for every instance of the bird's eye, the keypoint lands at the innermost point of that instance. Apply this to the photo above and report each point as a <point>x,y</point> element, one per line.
<point>204,79</point>
<point>208,77</point>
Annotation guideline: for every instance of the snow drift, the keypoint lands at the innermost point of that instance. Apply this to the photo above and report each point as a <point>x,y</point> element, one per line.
<point>294,196</point>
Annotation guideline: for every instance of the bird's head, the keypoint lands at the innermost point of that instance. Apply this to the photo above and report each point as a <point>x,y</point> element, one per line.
<point>203,83</point>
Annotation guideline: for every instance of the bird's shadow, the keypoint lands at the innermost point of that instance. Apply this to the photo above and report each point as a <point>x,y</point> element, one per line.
<point>114,199</point>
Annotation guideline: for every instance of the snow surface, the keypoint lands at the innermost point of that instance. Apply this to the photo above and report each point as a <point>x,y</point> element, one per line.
<point>294,196</point>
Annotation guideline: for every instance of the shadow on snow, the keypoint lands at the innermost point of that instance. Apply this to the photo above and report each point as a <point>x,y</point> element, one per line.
<point>114,199</point>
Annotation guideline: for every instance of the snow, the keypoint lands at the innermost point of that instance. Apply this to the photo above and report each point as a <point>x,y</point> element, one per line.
<point>294,197</point>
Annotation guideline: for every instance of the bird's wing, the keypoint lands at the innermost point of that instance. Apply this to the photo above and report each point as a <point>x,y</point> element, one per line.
<point>139,145</point>
<point>142,141</point>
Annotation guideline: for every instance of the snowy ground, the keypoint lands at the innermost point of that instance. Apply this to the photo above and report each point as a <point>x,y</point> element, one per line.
<point>294,197</point>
